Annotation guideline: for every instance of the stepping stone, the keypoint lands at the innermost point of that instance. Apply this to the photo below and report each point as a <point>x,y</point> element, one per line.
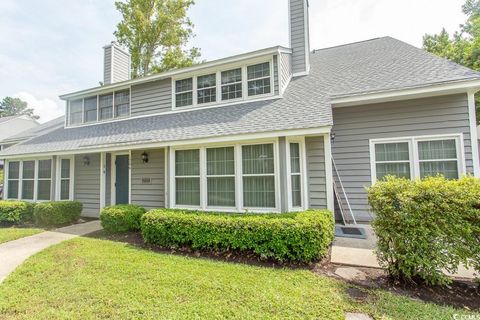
<point>349,273</point>
<point>357,316</point>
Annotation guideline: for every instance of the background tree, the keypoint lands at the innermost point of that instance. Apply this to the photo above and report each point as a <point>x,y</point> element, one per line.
<point>156,33</point>
<point>463,46</point>
<point>15,107</point>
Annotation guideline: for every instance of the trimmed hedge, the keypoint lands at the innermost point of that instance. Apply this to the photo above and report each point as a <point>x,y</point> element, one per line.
<point>122,218</point>
<point>55,213</point>
<point>300,237</point>
<point>426,226</point>
<point>15,212</point>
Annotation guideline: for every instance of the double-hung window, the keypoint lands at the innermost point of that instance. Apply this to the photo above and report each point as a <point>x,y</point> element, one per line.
<point>65,179</point>
<point>207,89</point>
<point>105,105</point>
<point>231,84</point>
<point>221,177</point>
<point>76,111</point>
<point>13,184</point>
<point>258,176</point>
<point>90,109</point>
<point>44,179</point>
<point>122,103</point>
<point>28,180</point>
<point>187,177</point>
<point>184,92</point>
<point>295,175</point>
<point>258,79</point>
<point>418,157</point>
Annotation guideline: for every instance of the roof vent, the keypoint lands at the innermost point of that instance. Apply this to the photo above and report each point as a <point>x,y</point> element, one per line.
<point>116,64</point>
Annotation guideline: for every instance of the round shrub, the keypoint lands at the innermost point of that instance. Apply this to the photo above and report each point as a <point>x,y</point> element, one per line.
<point>122,218</point>
<point>56,213</point>
<point>302,237</point>
<point>425,227</point>
<point>15,212</point>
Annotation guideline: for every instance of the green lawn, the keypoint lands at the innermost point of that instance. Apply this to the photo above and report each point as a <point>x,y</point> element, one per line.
<point>9,234</point>
<point>89,278</point>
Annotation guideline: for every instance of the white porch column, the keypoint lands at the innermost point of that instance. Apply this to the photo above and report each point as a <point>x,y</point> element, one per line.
<point>103,178</point>
<point>328,172</point>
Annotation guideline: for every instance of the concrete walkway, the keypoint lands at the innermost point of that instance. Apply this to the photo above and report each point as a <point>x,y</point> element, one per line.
<point>360,253</point>
<point>14,253</point>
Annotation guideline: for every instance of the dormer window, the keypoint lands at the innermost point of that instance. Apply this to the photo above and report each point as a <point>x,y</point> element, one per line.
<point>207,88</point>
<point>184,92</point>
<point>105,104</point>
<point>76,110</point>
<point>90,109</point>
<point>232,84</point>
<point>259,79</point>
<point>122,103</point>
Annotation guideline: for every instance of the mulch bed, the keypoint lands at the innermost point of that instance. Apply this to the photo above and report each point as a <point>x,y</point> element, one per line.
<point>464,294</point>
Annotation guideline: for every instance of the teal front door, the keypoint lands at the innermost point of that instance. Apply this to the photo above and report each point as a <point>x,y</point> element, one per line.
<point>121,179</point>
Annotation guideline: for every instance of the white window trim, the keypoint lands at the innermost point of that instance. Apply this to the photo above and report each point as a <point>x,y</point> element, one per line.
<point>413,152</point>
<point>245,97</point>
<point>303,180</point>
<point>20,178</point>
<point>272,85</point>
<point>234,175</point>
<point>206,88</point>
<point>113,118</point>
<point>238,177</point>
<point>34,179</point>
<point>59,178</point>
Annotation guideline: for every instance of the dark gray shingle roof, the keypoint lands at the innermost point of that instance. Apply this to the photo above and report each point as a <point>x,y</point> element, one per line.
<point>369,66</point>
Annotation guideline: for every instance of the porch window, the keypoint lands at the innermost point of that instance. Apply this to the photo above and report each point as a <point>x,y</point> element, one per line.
<point>184,92</point>
<point>295,175</point>
<point>207,88</point>
<point>122,103</point>
<point>231,84</point>
<point>76,111</point>
<point>187,177</point>
<point>221,177</point>
<point>392,159</point>
<point>258,176</point>
<point>28,180</point>
<point>65,177</point>
<point>438,157</point>
<point>44,179</point>
<point>13,179</point>
<point>258,79</point>
<point>418,157</point>
<point>105,104</point>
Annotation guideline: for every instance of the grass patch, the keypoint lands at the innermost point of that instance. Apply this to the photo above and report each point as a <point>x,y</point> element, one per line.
<point>92,278</point>
<point>12,233</point>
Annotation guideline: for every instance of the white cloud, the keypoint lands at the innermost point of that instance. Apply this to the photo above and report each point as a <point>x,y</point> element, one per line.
<point>46,108</point>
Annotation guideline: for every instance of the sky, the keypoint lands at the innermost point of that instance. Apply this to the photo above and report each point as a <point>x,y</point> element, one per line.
<point>53,47</point>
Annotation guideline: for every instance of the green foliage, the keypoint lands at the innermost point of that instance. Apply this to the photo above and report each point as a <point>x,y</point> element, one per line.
<point>155,33</point>
<point>15,212</point>
<point>15,107</point>
<point>303,236</point>
<point>426,226</point>
<point>463,46</point>
<point>55,213</point>
<point>121,218</point>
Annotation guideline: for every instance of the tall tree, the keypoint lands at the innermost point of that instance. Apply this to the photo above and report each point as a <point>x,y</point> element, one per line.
<point>463,46</point>
<point>156,33</point>
<point>15,107</point>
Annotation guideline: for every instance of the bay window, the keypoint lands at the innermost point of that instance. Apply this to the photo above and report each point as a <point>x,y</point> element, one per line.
<point>236,178</point>
<point>418,157</point>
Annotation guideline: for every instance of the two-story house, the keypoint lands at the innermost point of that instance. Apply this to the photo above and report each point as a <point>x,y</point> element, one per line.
<point>274,130</point>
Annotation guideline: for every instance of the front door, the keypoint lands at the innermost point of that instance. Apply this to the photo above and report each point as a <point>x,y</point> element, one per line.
<point>121,179</point>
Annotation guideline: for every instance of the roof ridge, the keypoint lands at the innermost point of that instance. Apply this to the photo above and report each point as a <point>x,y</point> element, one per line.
<point>348,44</point>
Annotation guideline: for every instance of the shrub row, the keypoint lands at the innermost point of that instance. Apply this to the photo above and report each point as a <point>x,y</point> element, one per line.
<point>301,237</point>
<point>44,213</point>
<point>426,226</point>
<point>121,218</point>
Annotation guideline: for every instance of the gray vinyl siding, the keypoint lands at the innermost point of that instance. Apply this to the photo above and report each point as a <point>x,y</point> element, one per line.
<point>107,65</point>
<point>149,195</point>
<point>298,20</point>
<point>285,69</point>
<point>316,179</point>
<point>152,97</point>
<point>120,66</point>
<point>87,184</point>
<point>355,126</point>
<point>275,75</point>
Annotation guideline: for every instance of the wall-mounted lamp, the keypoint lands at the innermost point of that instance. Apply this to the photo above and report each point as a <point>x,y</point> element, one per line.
<point>332,137</point>
<point>86,161</point>
<point>145,157</point>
